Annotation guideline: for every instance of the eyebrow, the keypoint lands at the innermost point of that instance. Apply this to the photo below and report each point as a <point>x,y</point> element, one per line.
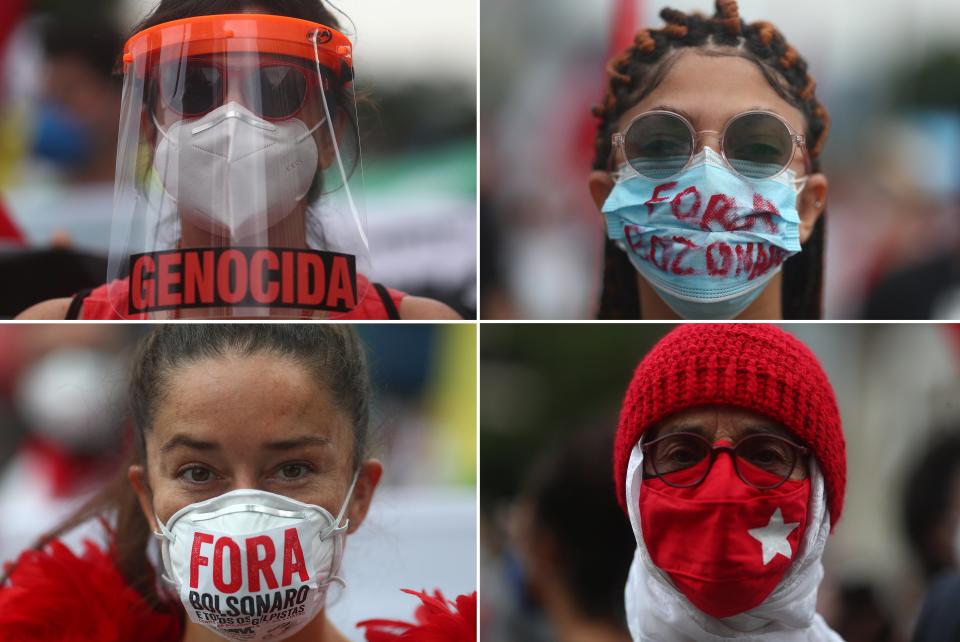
<point>774,429</point>
<point>675,110</point>
<point>299,442</point>
<point>682,426</point>
<point>754,429</point>
<point>181,440</point>
<point>690,118</point>
<point>185,441</point>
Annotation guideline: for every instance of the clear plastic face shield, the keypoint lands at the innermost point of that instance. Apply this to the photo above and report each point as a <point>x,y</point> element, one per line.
<point>239,184</point>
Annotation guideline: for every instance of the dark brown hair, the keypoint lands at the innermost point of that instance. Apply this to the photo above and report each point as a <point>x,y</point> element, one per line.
<point>638,71</point>
<point>332,353</point>
<point>167,10</point>
<point>574,477</point>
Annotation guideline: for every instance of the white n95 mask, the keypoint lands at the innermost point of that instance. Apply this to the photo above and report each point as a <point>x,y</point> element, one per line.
<point>233,171</point>
<point>251,565</point>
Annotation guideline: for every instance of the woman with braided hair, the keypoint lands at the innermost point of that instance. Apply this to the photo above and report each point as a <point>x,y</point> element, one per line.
<point>708,176</point>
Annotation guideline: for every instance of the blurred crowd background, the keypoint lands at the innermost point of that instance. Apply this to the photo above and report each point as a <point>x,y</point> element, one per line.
<point>59,117</point>
<point>888,71</point>
<point>556,547</point>
<point>64,433</point>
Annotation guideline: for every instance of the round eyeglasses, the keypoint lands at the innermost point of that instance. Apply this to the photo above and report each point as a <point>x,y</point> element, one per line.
<point>683,459</point>
<point>755,144</point>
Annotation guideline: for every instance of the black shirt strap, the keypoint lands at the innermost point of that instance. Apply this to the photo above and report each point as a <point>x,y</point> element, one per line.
<point>392,312</point>
<point>76,305</point>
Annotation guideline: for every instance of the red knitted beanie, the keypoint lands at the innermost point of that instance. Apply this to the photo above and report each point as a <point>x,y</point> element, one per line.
<point>756,367</point>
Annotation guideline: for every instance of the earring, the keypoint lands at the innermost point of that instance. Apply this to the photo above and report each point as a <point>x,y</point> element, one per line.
<point>818,204</point>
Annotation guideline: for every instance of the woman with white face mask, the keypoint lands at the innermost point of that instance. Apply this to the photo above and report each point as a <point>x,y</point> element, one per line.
<point>251,470</point>
<point>238,187</point>
<point>707,174</point>
<point>730,463</point>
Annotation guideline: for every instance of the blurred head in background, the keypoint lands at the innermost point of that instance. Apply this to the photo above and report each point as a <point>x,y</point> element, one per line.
<point>70,394</point>
<point>707,172</point>
<point>66,414</point>
<point>76,128</point>
<point>931,506</point>
<point>573,541</point>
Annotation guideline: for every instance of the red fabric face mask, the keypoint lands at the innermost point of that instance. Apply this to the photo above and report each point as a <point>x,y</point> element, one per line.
<point>725,544</point>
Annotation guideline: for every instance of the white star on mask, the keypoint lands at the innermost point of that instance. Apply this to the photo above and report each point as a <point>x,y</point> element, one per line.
<point>773,537</point>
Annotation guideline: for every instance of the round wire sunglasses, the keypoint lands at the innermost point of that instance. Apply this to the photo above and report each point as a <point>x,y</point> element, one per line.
<point>756,144</point>
<point>683,459</point>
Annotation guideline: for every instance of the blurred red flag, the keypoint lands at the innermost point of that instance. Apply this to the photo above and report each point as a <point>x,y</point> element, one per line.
<point>953,333</point>
<point>624,26</point>
<point>10,13</point>
<point>625,20</point>
<point>9,233</point>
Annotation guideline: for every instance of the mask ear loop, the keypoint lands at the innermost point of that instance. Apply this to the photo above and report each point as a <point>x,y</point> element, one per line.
<point>302,138</point>
<point>336,529</point>
<point>800,183</point>
<point>336,146</point>
<point>166,538</point>
<point>156,123</point>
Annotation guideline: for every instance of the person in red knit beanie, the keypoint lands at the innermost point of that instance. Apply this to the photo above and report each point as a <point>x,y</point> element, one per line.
<point>250,473</point>
<point>730,462</point>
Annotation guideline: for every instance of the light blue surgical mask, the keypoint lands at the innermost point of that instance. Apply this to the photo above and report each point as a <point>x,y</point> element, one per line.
<point>707,239</point>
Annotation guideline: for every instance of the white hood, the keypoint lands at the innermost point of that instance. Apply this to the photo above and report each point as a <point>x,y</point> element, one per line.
<point>657,611</point>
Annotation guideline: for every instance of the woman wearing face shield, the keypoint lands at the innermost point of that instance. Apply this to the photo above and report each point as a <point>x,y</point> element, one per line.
<point>251,471</point>
<point>707,173</point>
<point>730,464</point>
<point>238,187</point>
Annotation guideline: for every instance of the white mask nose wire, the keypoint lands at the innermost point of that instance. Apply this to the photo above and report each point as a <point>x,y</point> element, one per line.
<point>235,112</point>
<point>336,146</point>
<point>230,113</point>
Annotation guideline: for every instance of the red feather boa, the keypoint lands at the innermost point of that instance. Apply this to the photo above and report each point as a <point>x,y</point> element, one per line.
<point>56,596</point>
<point>438,620</point>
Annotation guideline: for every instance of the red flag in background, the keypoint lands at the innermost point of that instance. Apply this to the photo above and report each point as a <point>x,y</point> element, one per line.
<point>624,26</point>
<point>9,233</point>
<point>10,13</point>
<point>625,19</point>
<point>953,333</point>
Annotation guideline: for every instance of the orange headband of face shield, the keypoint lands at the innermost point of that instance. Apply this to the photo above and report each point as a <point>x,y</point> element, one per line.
<point>225,33</point>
